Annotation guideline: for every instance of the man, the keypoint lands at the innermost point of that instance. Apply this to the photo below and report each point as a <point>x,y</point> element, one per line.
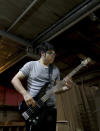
<point>37,73</point>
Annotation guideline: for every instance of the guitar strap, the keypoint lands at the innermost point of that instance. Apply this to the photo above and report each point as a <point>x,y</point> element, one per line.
<point>48,84</point>
<point>50,74</point>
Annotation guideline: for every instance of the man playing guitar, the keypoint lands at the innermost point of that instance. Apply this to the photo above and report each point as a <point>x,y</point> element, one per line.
<point>38,75</point>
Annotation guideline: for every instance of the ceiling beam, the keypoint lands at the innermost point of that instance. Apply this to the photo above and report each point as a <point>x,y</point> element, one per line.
<point>15,38</point>
<point>23,14</point>
<point>68,21</point>
<point>12,61</point>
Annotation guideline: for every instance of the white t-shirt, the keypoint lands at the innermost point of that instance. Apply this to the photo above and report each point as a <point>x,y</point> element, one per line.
<point>38,76</point>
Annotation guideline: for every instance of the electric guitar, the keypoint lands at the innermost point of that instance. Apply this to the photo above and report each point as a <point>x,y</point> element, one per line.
<point>31,114</point>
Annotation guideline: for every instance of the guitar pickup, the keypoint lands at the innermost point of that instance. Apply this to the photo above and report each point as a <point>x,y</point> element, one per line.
<point>25,115</point>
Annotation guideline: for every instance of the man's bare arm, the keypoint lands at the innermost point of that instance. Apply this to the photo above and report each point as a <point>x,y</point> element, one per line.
<point>16,82</point>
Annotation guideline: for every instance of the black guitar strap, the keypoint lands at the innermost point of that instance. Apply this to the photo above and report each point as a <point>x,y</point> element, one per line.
<point>50,74</point>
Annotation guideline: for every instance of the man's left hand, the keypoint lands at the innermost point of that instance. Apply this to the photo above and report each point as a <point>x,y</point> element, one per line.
<point>68,84</point>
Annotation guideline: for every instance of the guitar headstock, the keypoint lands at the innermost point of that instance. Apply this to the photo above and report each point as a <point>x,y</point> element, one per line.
<point>86,61</point>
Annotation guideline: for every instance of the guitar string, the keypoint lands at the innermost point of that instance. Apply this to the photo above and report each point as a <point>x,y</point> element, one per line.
<point>29,111</point>
<point>44,98</point>
<point>70,75</point>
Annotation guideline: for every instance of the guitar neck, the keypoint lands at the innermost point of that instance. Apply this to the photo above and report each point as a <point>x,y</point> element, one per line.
<point>47,95</point>
<point>61,83</point>
<point>73,72</point>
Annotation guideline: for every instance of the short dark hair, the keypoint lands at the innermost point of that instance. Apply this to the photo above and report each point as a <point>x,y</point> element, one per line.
<point>44,46</point>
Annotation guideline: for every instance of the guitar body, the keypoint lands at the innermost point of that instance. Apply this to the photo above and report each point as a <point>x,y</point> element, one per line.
<point>31,114</point>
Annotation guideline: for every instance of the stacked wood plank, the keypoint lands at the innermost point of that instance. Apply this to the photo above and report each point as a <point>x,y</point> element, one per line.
<point>75,107</point>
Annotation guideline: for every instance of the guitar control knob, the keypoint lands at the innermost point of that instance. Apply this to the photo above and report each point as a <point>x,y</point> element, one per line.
<point>34,121</point>
<point>30,120</point>
<point>37,118</point>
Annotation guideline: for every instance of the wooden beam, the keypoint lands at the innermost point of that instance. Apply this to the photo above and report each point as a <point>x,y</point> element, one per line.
<point>2,124</point>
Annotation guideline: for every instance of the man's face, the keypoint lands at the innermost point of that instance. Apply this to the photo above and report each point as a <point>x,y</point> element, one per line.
<point>50,56</point>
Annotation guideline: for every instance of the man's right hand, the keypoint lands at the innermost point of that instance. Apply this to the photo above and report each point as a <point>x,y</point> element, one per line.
<point>28,99</point>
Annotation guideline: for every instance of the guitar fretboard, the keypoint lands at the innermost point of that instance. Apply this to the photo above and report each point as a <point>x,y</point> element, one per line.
<point>62,82</point>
